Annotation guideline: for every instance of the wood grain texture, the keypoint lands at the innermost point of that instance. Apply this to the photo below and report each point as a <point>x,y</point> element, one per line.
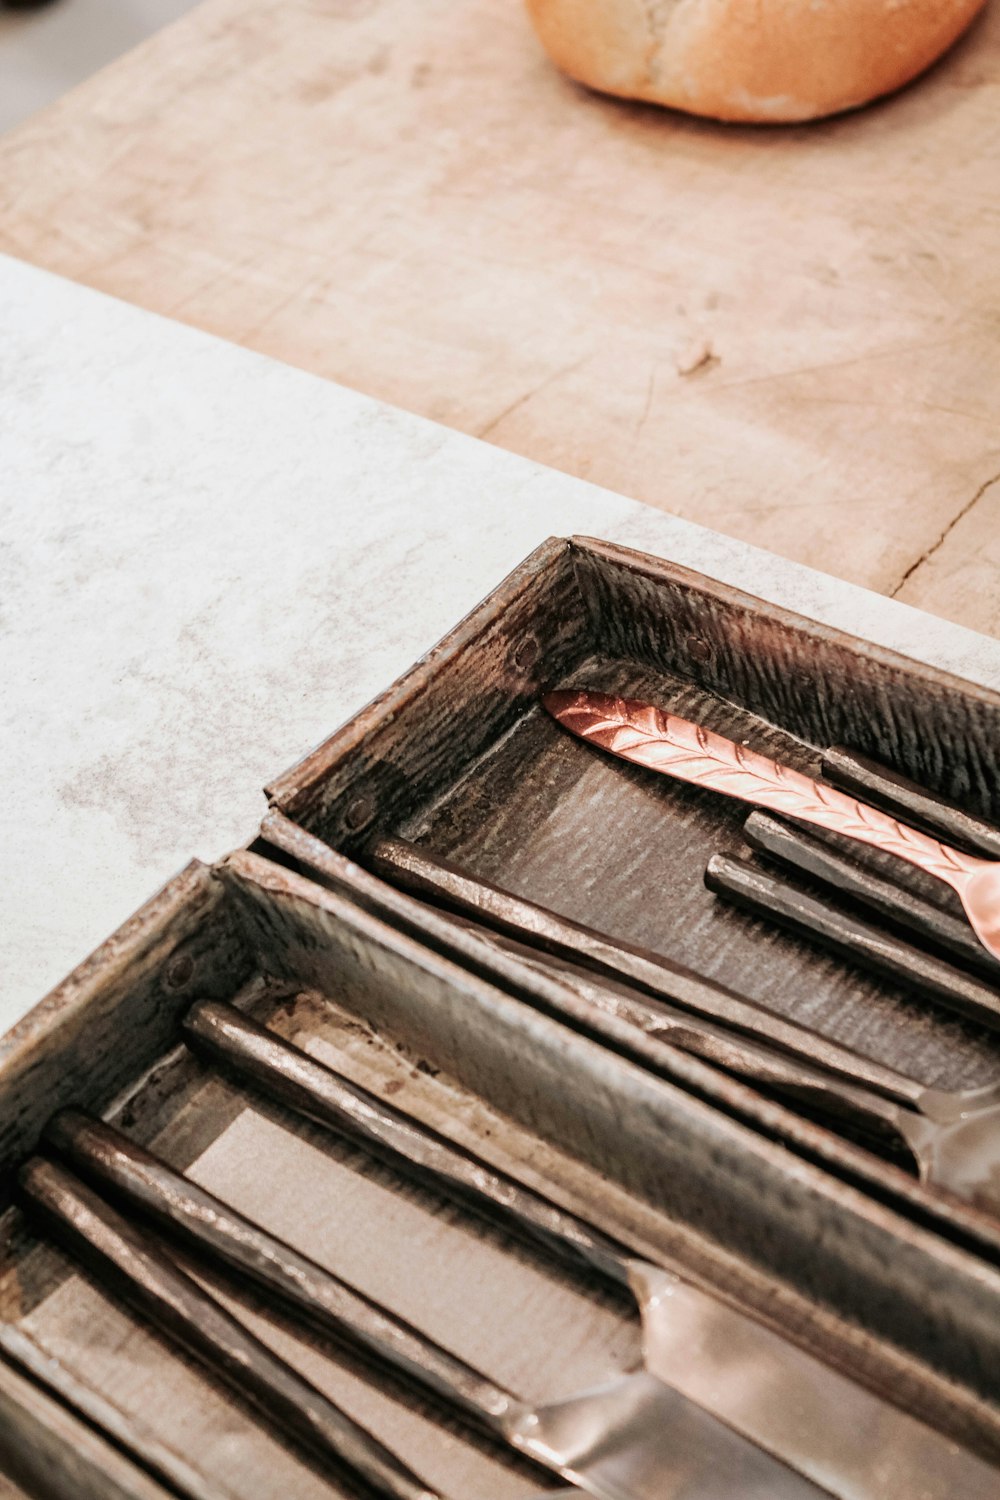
<point>785,334</point>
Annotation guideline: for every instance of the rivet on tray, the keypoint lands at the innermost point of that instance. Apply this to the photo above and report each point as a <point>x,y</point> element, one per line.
<point>527,653</point>
<point>180,971</point>
<point>698,649</point>
<point>358,813</point>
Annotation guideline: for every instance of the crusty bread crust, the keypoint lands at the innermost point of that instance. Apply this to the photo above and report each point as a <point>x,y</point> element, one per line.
<point>750,60</point>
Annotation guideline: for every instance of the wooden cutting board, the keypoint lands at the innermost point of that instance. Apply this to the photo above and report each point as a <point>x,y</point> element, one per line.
<point>786,334</point>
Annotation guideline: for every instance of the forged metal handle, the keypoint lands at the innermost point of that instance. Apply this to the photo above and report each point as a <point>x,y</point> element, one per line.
<point>777,900</point>
<point>787,1074</point>
<point>810,853</point>
<point>284,1072</point>
<point>428,875</point>
<point>141,1274</point>
<point>877,783</point>
<point>147,1185</point>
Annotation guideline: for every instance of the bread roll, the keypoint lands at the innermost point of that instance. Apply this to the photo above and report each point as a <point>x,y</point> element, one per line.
<point>754,60</point>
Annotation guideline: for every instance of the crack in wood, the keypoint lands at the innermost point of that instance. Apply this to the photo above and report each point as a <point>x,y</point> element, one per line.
<point>926,555</point>
<point>535,390</point>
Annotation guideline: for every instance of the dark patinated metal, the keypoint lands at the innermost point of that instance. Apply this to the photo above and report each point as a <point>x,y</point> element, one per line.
<point>841,1085</point>
<point>49,1452</point>
<point>954,1135</point>
<point>284,1072</point>
<point>632,1440</point>
<point>136,1269</point>
<point>144,1183</point>
<point>651,1033</point>
<point>432,877</point>
<point>645,735</point>
<point>849,1442</point>
<point>771,896</point>
<point>878,783</point>
<point>804,851</point>
<point>894,1282</point>
<point>657,1027</point>
<point>139,1442</point>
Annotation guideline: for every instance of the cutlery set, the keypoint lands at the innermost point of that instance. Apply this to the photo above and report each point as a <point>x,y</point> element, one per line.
<point>634,1436</point>
<point>952,1138</point>
<point>767,1420</point>
<point>773,1423</point>
<point>493,1070</point>
<point>647,736</point>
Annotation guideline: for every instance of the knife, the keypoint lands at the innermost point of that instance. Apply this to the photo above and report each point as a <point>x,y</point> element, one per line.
<point>631,1439</point>
<point>824,1426</point>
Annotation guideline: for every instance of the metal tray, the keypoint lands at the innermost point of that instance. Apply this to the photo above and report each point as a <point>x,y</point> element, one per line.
<point>629,1152</point>
<point>682,1168</point>
<point>396,1018</point>
<point>459,757</point>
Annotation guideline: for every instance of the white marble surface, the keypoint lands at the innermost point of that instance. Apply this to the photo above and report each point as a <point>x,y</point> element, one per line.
<point>209,560</point>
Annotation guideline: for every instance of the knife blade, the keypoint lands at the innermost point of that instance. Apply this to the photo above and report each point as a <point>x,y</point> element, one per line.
<point>842,1437</point>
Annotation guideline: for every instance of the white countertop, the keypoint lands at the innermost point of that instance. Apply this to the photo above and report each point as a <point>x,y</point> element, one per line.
<point>211,559</point>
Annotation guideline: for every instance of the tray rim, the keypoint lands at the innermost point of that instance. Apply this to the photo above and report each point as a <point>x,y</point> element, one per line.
<point>290,789</point>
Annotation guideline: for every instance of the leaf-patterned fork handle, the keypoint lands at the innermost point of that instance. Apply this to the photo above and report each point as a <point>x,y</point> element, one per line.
<point>647,736</point>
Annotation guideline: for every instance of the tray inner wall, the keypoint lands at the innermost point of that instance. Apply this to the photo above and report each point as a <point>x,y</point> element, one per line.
<point>824,686</point>
<point>624,850</point>
<point>519,1318</point>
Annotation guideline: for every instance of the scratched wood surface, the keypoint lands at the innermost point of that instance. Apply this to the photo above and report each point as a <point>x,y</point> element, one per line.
<point>786,334</point>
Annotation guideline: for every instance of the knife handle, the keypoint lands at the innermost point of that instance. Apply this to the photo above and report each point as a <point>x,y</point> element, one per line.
<point>834,1098</point>
<point>779,901</point>
<point>867,778</point>
<point>146,1185</point>
<point>279,1070</point>
<point>138,1271</point>
<point>666,988</point>
<point>815,857</point>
